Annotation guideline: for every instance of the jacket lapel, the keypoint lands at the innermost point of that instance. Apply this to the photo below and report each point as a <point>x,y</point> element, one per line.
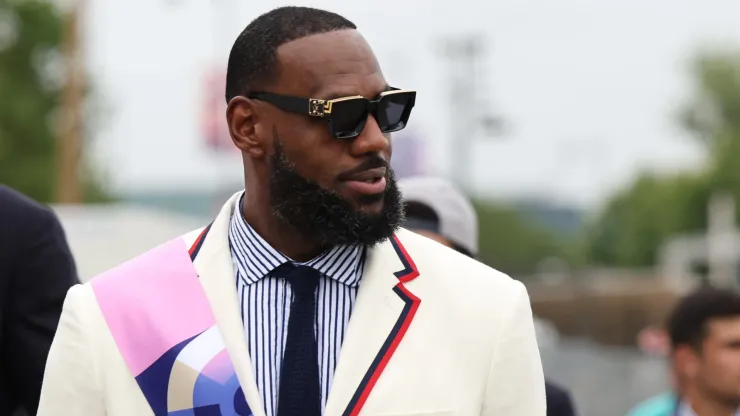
<point>383,311</point>
<point>212,259</point>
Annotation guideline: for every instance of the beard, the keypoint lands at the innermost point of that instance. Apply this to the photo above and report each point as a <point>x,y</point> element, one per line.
<point>324,216</point>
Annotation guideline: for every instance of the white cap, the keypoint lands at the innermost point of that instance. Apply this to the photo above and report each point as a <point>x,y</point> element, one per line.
<point>458,221</point>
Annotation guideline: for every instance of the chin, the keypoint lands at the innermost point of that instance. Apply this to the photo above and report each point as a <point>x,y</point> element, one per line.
<point>371,210</point>
<point>370,204</point>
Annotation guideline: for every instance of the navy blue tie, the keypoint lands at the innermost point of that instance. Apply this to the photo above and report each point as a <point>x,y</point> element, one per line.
<point>300,392</point>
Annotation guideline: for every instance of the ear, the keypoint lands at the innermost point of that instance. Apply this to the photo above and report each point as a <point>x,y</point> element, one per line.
<point>243,121</point>
<point>687,360</point>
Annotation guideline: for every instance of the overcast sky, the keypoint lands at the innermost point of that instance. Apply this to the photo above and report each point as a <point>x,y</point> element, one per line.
<point>589,89</point>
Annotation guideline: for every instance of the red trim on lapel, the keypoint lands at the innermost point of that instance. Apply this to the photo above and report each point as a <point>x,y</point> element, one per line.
<point>198,243</point>
<point>396,335</point>
<point>410,272</point>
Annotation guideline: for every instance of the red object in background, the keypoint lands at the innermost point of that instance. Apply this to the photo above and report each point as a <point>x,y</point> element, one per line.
<point>653,341</point>
<point>213,111</point>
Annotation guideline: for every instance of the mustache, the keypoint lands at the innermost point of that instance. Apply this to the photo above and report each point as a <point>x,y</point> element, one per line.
<point>372,162</point>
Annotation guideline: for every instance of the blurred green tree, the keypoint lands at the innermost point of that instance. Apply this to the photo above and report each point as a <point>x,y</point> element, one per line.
<point>31,77</point>
<point>637,220</point>
<point>713,115</point>
<point>512,244</point>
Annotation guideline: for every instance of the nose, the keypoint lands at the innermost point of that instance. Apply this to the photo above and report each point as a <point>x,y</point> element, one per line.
<point>371,140</point>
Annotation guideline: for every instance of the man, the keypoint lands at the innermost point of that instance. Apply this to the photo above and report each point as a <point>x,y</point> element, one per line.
<point>704,330</point>
<point>36,270</point>
<point>251,315</point>
<point>437,210</point>
<point>664,404</point>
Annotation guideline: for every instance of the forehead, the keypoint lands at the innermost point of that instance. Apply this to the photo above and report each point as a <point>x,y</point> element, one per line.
<point>724,329</point>
<point>329,65</point>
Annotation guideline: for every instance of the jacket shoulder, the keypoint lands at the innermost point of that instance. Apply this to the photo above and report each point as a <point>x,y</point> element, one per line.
<point>661,405</point>
<point>188,239</point>
<point>19,207</point>
<point>439,263</point>
<point>459,285</point>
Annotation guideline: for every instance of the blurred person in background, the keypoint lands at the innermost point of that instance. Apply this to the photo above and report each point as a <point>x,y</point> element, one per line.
<point>436,209</point>
<point>656,341</point>
<point>664,404</point>
<point>250,314</point>
<point>36,271</point>
<point>704,330</point>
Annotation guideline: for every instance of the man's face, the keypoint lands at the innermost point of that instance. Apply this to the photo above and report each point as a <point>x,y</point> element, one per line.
<point>325,215</point>
<point>717,367</point>
<point>316,180</point>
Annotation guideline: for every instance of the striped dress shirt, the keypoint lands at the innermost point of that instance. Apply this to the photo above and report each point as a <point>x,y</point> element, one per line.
<point>266,299</point>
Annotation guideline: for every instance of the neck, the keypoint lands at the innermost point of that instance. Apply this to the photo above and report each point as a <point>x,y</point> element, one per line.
<point>276,233</point>
<point>703,405</point>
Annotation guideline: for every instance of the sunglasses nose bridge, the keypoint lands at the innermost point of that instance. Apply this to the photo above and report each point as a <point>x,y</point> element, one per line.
<point>372,109</point>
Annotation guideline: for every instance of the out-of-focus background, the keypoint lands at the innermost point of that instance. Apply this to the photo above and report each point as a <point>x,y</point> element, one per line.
<point>599,140</point>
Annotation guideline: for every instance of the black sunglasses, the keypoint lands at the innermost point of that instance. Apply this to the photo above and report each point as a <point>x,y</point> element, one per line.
<point>347,115</point>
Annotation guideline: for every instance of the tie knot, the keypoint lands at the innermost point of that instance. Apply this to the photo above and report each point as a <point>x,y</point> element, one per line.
<point>303,279</point>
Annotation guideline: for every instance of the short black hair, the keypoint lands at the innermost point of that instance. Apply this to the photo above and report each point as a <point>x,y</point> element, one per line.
<point>253,56</point>
<point>687,323</point>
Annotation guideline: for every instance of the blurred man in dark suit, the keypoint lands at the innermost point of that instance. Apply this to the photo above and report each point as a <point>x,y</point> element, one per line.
<point>437,210</point>
<point>36,270</point>
<point>559,402</point>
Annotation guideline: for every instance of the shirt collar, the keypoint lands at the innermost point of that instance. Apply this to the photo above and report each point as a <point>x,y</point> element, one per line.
<point>255,258</point>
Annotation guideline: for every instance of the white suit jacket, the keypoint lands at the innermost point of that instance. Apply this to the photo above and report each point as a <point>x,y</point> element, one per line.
<point>432,333</point>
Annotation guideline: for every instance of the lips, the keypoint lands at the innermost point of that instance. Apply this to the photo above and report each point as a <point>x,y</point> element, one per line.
<point>369,176</point>
<point>367,182</point>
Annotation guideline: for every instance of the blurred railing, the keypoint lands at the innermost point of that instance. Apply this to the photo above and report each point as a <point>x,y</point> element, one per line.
<point>607,306</point>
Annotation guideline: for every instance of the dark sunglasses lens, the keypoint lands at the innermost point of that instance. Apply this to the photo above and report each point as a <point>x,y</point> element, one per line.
<point>394,110</point>
<point>348,118</point>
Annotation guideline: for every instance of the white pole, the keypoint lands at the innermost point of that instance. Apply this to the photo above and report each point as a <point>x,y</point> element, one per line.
<point>721,236</point>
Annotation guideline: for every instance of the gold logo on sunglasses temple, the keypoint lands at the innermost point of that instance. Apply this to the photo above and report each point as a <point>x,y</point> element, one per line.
<point>320,108</point>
